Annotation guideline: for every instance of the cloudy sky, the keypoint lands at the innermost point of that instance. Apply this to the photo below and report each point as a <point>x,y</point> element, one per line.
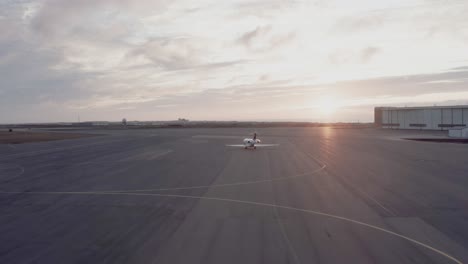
<point>228,60</point>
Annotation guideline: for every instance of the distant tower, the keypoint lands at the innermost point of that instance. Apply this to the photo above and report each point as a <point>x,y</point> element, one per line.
<point>124,122</point>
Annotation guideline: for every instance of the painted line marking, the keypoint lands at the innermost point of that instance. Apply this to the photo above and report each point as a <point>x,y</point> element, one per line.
<point>258,204</point>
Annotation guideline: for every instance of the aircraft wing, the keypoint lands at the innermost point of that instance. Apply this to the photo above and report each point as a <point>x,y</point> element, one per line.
<point>256,145</point>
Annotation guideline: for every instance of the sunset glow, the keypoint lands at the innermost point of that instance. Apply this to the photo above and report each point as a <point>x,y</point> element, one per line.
<point>327,105</point>
<point>215,60</point>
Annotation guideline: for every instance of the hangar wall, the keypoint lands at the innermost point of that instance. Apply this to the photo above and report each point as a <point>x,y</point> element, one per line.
<point>429,118</point>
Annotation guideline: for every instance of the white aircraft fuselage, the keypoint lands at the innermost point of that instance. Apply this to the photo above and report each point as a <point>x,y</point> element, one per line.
<point>250,142</point>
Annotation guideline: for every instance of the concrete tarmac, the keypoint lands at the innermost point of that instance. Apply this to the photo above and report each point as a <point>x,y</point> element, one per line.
<point>181,196</point>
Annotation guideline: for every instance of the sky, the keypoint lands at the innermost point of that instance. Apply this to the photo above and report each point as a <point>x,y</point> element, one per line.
<point>266,60</point>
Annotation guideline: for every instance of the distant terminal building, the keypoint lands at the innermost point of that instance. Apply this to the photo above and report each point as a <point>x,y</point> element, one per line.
<point>425,117</point>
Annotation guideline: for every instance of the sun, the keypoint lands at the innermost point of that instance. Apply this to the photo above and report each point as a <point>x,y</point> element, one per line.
<point>327,105</point>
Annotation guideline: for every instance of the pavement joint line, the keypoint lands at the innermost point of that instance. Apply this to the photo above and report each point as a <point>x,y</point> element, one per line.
<point>31,153</point>
<point>22,169</point>
<point>359,190</point>
<point>375,201</point>
<point>368,195</point>
<point>286,238</point>
<point>225,184</point>
<point>284,233</point>
<point>11,146</point>
<point>158,155</point>
<point>245,202</point>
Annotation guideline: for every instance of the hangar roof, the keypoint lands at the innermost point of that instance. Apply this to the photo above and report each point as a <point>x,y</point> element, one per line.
<point>422,107</point>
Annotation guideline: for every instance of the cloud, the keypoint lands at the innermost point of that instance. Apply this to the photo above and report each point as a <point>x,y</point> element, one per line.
<point>263,8</point>
<point>362,22</point>
<point>27,69</point>
<point>169,53</point>
<point>356,99</point>
<point>57,17</point>
<point>249,37</point>
<point>368,53</point>
<point>409,85</point>
<point>350,56</point>
<point>263,38</point>
<point>105,59</point>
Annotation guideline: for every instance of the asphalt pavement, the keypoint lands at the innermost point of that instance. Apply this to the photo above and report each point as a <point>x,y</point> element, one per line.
<point>181,196</point>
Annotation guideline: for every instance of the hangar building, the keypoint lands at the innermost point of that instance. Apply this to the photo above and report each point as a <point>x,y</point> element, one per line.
<point>425,117</point>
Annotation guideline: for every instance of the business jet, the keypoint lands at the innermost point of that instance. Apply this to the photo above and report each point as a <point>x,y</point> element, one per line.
<point>253,143</point>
